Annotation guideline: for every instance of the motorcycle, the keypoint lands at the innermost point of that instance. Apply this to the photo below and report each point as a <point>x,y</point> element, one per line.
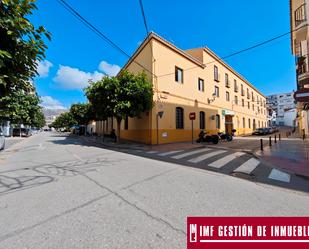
<point>204,137</point>
<point>223,136</point>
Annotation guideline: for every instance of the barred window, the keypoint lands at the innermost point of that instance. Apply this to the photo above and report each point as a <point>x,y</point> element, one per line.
<point>202,120</point>
<point>179,118</point>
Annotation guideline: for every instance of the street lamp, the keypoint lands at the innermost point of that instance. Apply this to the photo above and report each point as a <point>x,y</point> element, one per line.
<point>159,114</point>
<point>214,95</point>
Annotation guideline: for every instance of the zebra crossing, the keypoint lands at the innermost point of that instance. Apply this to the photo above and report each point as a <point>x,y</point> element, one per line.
<point>221,160</point>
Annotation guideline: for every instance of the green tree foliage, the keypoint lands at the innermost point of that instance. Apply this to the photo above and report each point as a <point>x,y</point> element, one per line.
<point>21,46</point>
<point>126,95</point>
<point>82,113</point>
<point>64,120</point>
<point>37,118</point>
<point>21,107</point>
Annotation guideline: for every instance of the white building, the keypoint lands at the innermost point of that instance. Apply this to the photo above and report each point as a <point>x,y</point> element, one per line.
<point>283,107</point>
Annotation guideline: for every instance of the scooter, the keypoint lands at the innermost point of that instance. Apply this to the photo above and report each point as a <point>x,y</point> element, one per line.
<point>204,137</point>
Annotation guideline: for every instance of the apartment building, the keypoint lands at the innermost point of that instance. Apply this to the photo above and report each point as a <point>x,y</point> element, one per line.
<point>299,10</point>
<point>191,81</point>
<point>283,106</point>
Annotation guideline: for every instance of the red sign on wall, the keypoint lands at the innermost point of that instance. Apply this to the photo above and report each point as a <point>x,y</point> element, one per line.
<point>192,116</point>
<point>247,232</point>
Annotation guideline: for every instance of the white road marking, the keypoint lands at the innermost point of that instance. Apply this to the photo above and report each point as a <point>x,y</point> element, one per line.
<point>152,152</point>
<point>278,175</point>
<point>170,153</point>
<point>225,160</point>
<point>190,153</point>
<point>203,157</point>
<point>248,166</point>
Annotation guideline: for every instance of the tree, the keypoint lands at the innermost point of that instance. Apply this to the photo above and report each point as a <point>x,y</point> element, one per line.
<point>21,45</point>
<point>126,95</point>
<point>19,107</point>
<point>64,120</point>
<point>82,113</point>
<point>37,118</point>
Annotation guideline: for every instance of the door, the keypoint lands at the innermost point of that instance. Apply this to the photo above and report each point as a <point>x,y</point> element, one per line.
<point>228,124</point>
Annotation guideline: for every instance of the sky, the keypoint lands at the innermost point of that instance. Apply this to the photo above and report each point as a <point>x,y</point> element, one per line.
<point>76,54</point>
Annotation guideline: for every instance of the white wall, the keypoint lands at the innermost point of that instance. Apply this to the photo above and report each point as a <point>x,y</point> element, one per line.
<point>289,117</point>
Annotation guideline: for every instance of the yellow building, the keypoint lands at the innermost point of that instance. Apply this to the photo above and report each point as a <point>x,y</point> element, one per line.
<point>299,10</point>
<point>194,80</point>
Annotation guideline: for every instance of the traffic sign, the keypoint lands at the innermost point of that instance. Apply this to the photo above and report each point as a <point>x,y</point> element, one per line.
<point>192,116</point>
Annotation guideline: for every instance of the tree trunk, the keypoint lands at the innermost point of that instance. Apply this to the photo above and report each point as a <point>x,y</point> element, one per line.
<point>118,129</point>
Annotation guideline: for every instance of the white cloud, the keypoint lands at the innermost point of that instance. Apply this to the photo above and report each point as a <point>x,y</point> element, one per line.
<point>109,69</point>
<point>43,68</point>
<point>73,78</point>
<point>50,103</point>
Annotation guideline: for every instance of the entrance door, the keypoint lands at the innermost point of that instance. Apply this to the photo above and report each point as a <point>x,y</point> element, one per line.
<point>228,124</point>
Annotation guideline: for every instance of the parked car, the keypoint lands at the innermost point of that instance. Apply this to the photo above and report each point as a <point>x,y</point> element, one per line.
<point>260,131</point>
<point>2,139</point>
<point>275,128</point>
<point>21,132</point>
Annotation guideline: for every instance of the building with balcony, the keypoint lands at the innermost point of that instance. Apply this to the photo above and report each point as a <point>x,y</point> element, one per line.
<point>299,10</point>
<point>281,109</point>
<point>190,81</point>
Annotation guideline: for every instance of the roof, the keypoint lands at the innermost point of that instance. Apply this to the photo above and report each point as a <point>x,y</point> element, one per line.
<point>217,58</point>
<point>186,55</point>
<point>160,39</point>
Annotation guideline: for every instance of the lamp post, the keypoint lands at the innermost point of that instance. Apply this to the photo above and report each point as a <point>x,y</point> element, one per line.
<point>159,114</point>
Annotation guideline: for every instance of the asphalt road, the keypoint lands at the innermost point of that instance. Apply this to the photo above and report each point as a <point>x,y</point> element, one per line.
<point>60,192</point>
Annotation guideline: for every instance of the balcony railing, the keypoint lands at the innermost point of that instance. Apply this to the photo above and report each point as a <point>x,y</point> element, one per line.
<point>300,15</point>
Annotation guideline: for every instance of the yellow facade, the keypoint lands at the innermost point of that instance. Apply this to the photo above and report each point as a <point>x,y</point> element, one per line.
<point>160,60</point>
<point>299,10</point>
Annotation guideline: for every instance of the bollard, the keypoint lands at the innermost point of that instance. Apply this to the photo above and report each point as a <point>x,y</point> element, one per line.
<point>269,141</point>
<point>275,139</point>
<point>261,140</point>
<point>279,136</point>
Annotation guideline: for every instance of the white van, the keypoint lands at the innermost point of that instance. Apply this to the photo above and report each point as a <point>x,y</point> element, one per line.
<point>2,139</point>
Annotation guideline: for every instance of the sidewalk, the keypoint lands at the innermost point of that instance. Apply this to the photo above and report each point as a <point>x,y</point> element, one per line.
<point>288,155</point>
<point>135,146</point>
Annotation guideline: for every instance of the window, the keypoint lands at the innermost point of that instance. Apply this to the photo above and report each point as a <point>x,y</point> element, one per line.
<point>248,105</point>
<point>236,100</point>
<point>218,121</point>
<point>216,91</point>
<point>202,120</point>
<point>249,123</point>
<point>216,73</point>
<point>252,96</point>
<point>243,103</point>
<point>242,90</point>
<point>227,94</point>
<point>235,86</point>
<point>253,107</point>
<point>200,84</point>
<point>179,118</point>
<point>227,82</point>
<point>243,123</point>
<point>126,123</point>
<point>259,125</point>
<point>248,94</point>
<point>178,75</point>
<point>254,124</point>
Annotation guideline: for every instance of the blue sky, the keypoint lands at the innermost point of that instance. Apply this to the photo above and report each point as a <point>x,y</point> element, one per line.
<point>75,53</point>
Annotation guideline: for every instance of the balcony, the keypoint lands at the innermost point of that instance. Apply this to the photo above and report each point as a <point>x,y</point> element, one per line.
<point>300,15</point>
<point>227,84</point>
<point>302,71</point>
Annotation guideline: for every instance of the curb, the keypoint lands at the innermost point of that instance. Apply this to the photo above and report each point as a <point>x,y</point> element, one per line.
<point>271,165</point>
<point>116,146</point>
